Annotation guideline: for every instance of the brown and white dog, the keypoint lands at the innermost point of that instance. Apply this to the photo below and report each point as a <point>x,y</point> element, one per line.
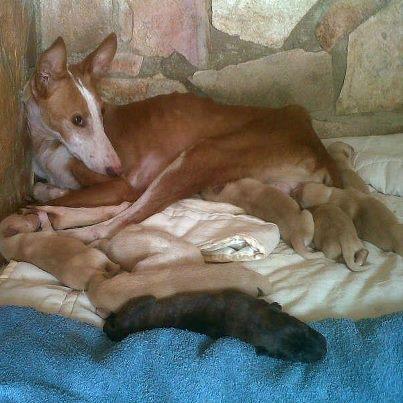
<point>161,149</point>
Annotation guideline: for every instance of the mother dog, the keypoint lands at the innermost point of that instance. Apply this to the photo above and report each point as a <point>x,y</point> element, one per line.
<point>160,150</point>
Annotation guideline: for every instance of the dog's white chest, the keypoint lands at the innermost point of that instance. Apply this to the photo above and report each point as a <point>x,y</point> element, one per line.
<point>51,158</point>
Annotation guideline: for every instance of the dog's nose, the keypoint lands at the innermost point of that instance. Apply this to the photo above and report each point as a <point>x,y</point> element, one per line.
<point>114,171</point>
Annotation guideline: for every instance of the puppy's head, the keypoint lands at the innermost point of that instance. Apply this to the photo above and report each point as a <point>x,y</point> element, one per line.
<point>283,336</point>
<point>312,194</point>
<point>17,224</point>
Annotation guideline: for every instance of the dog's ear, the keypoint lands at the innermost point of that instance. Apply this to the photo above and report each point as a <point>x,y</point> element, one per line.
<point>99,61</point>
<point>52,66</point>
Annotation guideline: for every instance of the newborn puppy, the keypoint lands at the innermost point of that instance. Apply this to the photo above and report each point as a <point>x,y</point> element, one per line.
<point>68,259</point>
<point>374,222</point>
<point>336,237</point>
<point>270,204</point>
<point>138,246</point>
<point>219,314</point>
<point>159,264</point>
<point>343,154</point>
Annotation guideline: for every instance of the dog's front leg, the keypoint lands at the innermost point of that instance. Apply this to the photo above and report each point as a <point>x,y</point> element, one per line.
<point>208,163</point>
<point>70,217</point>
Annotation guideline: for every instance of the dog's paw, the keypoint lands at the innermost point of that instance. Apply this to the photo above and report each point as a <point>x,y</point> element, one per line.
<point>43,192</point>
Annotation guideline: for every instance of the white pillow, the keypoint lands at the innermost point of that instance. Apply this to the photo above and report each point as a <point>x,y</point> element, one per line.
<point>378,160</point>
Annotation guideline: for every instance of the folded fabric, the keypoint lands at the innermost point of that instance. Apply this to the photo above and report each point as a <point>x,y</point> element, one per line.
<point>220,230</point>
<point>378,160</point>
<point>53,359</point>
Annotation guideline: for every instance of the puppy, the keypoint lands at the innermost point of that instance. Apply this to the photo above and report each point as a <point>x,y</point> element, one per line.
<point>161,265</point>
<point>68,259</point>
<point>270,204</point>
<point>219,314</point>
<point>343,154</point>
<point>336,237</point>
<point>140,247</point>
<point>374,222</point>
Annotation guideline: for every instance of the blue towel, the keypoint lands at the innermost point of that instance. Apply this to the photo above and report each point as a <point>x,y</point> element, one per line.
<point>51,359</point>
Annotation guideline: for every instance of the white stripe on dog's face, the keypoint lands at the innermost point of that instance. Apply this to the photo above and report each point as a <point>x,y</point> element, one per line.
<point>93,108</point>
<point>90,143</point>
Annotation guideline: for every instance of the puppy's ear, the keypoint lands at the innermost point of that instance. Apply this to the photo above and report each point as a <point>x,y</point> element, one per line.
<point>52,66</point>
<point>99,61</point>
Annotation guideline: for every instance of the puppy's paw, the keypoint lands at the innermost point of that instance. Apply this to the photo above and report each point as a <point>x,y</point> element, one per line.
<point>360,258</point>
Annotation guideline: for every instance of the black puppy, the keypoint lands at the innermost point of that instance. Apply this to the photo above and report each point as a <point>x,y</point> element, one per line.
<point>218,314</point>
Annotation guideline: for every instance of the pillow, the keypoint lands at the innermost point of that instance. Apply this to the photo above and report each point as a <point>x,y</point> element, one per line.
<point>378,160</point>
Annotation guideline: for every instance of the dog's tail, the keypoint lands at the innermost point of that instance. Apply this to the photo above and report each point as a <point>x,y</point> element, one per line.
<point>355,258</point>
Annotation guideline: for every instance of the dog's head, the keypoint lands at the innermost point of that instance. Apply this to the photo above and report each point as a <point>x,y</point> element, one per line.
<point>70,105</point>
<point>280,335</point>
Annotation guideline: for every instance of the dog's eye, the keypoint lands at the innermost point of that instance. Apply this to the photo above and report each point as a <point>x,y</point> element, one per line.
<point>78,120</point>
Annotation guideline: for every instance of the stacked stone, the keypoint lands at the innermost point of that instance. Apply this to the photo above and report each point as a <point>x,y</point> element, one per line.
<point>339,59</point>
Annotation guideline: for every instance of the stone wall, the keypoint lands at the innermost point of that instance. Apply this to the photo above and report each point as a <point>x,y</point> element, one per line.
<point>340,59</point>
<point>17,54</point>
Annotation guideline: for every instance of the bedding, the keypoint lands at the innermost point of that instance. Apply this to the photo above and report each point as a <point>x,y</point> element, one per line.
<point>48,358</point>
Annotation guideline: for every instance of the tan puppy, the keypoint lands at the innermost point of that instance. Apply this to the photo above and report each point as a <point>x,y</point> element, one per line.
<point>161,265</point>
<point>270,204</point>
<point>336,237</point>
<point>138,246</point>
<point>374,222</point>
<point>68,259</point>
<point>343,154</point>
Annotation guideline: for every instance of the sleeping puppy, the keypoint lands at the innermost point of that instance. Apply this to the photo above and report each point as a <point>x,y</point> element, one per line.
<point>270,204</point>
<point>343,154</point>
<point>336,236</point>
<point>374,222</point>
<point>159,264</point>
<point>219,314</point>
<point>68,259</point>
<point>141,247</point>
